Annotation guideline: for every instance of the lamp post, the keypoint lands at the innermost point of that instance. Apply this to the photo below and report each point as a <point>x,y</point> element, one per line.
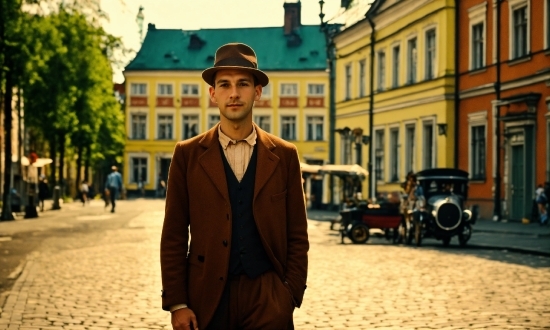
<point>139,19</point>
<point>329,32</point>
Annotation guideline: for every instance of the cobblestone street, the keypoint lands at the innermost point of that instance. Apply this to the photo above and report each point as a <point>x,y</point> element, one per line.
<point>111,280</point>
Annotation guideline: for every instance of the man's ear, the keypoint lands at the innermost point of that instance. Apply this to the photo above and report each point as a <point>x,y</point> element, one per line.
<point>259,89</point>
<point>212,93</point>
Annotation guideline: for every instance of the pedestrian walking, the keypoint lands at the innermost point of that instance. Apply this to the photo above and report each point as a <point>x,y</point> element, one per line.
<point>542,200</point>
<point>234,241</point>
<point>84,189</point>
<point>43,192</point>
<point>113,185</point>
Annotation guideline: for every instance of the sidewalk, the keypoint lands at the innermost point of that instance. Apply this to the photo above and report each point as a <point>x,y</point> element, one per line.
<point>513,236</point>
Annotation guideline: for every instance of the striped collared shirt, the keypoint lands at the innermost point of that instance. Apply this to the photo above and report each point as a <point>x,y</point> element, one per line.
<point>238,153</point>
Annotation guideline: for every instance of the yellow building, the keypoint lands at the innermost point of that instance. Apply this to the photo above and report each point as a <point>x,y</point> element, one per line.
<point>400,55</point>
<point>168,101</point>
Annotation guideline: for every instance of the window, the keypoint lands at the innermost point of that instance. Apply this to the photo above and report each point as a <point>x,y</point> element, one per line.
<point>477,26</point>
<point>165,123</point>
<point>519,40</point>
<point>138,89</point>
<point>348,82</point>
<point>190,126</point>
<point>395,71</point>
<point>478,46</point>
<point>381,70</point>
<point>288,128</point>
<point>314,128</point>
<point>394,154</point>
<point>139,124</point>
<point>409,148</point>
<point>213,120</point>
<point>362,68</point>
<point>264,122</point>
<point>478,152</point>
<point>190,90</point>
<point>346,138</point>
<point>266,92</point>
<point>430,54</point>
<point>379,155</point>
<point>315,89</point>
<point>165,90</point>
<point>428,145</point>
<point>139,169</point>
<point>411,61</point>
<point>289,89</point>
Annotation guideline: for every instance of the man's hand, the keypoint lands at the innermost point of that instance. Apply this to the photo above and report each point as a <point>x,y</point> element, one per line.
<point>184,319</point>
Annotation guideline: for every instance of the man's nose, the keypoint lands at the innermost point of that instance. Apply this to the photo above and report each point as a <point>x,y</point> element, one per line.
<point>234,92</point>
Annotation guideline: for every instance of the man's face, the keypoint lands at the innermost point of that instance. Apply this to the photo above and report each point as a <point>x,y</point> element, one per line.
<point>234,93</point>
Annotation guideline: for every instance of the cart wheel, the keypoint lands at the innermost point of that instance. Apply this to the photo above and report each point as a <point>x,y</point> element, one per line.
<point>446,241</point>
<point>418,233</point>
<point>359,233</point>
<point>465,235</point>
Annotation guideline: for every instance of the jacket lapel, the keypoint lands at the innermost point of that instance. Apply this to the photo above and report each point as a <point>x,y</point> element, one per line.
<point>267,160</point>
<point>212,163</point>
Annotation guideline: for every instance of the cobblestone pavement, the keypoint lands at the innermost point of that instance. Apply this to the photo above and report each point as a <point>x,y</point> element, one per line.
<point>113,282</point>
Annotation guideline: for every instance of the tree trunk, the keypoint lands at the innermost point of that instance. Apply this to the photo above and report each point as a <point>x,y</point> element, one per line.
<point>87,163</point>
<point>6,200</point>
<point>61,141</point>
<point>78,167</point>
<point>53,156</point>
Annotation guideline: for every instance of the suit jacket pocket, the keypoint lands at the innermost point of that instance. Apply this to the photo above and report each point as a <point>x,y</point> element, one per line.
<point>195,264</point>
<point>278,196</point>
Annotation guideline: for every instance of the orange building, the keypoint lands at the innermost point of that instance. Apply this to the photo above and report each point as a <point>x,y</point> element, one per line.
<point>503,125</point>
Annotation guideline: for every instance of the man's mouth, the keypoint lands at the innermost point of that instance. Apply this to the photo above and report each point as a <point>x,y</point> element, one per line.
<point>234,105</point>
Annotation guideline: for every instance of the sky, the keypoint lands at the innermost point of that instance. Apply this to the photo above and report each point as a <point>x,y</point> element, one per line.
<point>197,14</point>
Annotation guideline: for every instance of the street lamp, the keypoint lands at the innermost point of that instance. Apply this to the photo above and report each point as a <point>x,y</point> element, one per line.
<point>139,19</point>
<point>329,31</point>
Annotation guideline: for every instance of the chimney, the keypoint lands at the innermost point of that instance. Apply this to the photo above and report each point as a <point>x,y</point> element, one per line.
<point>293,13</point>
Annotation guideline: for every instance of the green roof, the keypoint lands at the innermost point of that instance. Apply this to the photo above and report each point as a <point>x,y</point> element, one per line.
<point>168,49</point>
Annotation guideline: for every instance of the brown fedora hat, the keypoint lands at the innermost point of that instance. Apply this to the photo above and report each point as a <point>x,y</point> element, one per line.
<point>235,56</point>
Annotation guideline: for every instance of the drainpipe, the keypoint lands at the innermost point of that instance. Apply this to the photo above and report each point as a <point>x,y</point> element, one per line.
<point>497,210</point>
<point>457,81</point>
<point>372,183</point>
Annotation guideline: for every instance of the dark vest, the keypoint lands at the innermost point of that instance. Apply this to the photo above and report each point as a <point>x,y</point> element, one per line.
<point>247,252</point>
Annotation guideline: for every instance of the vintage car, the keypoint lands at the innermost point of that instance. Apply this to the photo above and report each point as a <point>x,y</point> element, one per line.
<point>444,215</point>
<point>356,223</point>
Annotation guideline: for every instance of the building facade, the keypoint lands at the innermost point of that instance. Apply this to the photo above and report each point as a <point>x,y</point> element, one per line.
<point>167,100</point>
<point>504,118</point>
<point>398,62</point>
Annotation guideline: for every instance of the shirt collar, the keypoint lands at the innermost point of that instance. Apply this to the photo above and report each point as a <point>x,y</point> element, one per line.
<point>226,140</point>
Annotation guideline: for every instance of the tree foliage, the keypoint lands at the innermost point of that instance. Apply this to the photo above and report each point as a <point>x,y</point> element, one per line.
<point>60,58</point>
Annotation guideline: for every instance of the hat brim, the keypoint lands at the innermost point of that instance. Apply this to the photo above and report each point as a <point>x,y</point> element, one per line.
<point>208,74</point>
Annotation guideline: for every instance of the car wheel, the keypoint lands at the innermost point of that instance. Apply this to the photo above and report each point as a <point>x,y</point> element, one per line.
<point>446,241</point>
<point>465,235</point>
<point>359,233</point>
<point>418,233</point>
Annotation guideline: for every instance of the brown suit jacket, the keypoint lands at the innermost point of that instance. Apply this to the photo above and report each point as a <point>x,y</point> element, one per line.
<point>197,198</point>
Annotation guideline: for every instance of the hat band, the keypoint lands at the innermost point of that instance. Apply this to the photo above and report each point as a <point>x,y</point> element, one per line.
<point>236,62</point>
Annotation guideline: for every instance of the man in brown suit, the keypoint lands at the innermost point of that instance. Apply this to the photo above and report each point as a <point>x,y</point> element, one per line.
<point>234,242</point>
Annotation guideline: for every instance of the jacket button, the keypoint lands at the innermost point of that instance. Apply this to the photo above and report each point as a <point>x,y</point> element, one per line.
<point>224,242</point>
<point>221,278</point>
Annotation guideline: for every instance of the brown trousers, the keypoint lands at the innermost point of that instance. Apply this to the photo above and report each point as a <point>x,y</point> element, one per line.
<point>260,303</point>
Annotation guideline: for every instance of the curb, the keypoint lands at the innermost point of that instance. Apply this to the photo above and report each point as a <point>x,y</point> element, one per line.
<point>511,249</point>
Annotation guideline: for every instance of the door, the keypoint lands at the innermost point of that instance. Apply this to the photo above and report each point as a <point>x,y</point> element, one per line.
<point>517,188</point>
<point>164,167</point>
